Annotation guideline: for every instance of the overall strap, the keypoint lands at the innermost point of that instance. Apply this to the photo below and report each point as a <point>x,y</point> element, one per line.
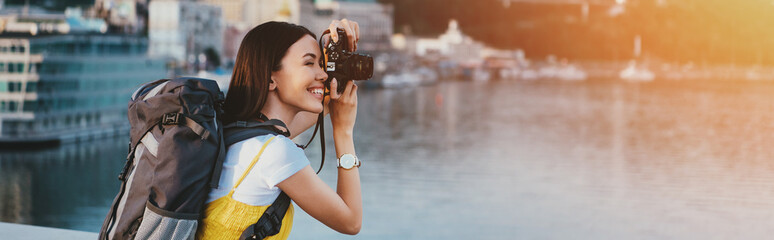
<point>255,160</point>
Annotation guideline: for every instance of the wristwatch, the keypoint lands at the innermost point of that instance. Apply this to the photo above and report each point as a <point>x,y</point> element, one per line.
<point>348,161</point>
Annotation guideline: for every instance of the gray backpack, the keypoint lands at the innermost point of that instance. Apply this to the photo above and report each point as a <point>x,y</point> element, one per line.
<point>175,157</point>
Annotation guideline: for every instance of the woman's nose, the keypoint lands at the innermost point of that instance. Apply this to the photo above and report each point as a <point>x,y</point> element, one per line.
<point>321,75</point>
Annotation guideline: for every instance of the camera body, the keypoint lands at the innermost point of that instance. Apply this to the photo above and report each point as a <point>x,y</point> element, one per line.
<point>344,65</point>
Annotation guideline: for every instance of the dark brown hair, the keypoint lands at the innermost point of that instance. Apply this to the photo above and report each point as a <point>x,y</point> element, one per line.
<point>259,55</point>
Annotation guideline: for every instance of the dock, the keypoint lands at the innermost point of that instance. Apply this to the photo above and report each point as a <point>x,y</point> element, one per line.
<point>21,232</point>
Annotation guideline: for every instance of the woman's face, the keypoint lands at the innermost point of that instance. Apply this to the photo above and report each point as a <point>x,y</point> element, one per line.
<point>299,82</point>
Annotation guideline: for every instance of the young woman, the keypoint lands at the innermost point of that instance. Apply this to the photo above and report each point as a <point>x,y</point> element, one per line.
<point>278,74</point>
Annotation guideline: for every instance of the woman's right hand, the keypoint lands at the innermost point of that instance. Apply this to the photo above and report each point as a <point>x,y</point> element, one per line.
<point>343,108</point>
<point>352,29</point>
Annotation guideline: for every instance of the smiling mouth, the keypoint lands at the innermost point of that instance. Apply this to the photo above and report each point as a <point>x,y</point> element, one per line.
<point>316,91</point>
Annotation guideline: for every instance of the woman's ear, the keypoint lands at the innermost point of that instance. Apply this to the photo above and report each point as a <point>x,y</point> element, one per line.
<point>272,83</point>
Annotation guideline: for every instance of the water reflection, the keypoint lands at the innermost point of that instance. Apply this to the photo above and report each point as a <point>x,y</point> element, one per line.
<point>549,160</point>
<point>503,160</point>
<point>69,187</point>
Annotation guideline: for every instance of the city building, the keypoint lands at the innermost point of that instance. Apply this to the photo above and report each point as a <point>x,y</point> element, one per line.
<point>122,16</point>
<point>233,10</point>
<point>374,19</point>
<point>232,39</point>
<point>30,20</point>
<point>316,16</point>
<point>183,30</point>
<point>61,85</point>
<point>255,12</point>
<point>242,15</point>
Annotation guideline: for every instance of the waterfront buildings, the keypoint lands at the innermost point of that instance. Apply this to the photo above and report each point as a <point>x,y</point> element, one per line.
<point>125,16</point>
<point>242,15</point>
<point>60,87</point>
<point>232,39</point>
<point>254,12</point>
<point>182,30</point>
<point>66,85</point>
<point>375,20</point>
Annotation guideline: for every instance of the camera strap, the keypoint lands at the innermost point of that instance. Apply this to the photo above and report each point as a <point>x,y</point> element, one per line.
<point>319,125</point>
<point>322,137</point>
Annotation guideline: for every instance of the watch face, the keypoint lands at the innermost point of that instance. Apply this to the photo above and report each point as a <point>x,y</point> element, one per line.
<point>347,161</point>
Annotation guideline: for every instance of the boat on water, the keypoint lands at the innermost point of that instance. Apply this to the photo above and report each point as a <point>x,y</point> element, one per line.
<point>565,72</point>
<point>67,87</point>
<point>635,73</point>
<point>571,73</point>
<point>415,77</point>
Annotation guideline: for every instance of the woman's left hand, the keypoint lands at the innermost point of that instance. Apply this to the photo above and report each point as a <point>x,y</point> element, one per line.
<point>350,27</point>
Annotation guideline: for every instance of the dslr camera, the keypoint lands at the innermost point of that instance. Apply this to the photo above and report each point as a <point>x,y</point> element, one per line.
<point>345,65</point>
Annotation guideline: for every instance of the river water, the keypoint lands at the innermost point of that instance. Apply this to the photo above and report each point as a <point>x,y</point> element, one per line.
<point>500,160</point>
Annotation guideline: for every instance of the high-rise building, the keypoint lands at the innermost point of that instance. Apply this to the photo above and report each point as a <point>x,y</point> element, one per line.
<point>255,12</point>
<point>182,30</point>
<point>233,10</point>
<point>242,15</point>
<point>374,19</point>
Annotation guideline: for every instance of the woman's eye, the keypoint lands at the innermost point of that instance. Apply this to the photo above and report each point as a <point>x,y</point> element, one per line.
<point>309,63</point>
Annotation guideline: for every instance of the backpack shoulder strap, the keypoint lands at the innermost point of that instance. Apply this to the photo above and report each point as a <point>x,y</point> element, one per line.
<point>253,124</point>
<point>239,131</point>
<point>270,222</point>
<point>239,135</point>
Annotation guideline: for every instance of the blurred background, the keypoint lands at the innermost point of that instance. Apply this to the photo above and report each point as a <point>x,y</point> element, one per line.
<point>486,119</point>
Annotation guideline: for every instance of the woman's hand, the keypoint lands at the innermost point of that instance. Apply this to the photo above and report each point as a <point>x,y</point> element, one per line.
<point>350,27</point>
<point>343,108</point>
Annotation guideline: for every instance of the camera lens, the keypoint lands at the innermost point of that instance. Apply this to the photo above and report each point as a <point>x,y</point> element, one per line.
<point>362,67</point>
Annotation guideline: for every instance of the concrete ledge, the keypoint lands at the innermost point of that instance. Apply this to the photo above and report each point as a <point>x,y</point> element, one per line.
<point>21,231</point>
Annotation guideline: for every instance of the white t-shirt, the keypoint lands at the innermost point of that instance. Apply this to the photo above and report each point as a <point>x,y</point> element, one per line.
<point>281,159</point>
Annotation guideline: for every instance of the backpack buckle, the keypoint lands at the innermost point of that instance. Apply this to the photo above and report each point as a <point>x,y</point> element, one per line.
<point>259,233</point>
<point>171,119</point>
